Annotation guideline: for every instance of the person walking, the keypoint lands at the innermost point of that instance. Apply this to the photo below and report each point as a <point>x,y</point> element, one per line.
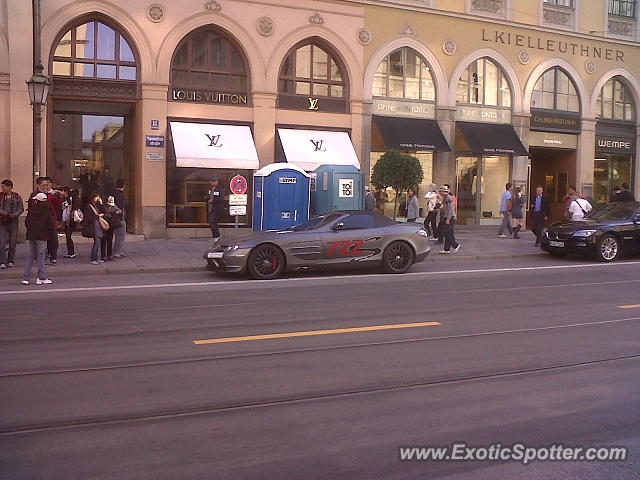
<point>120,233</point>
<point>54,199</point>
<point>517,217</point>
<point>579,208</point>
<point>38,222</point>
<point>624,195</point>
<point>539,214</point>
<point>447,212</point>
<point>215,207</point>
<point>69,205</point>
<point>112,216</point>
<point>92,226</point>
<point>505,210</point>
<point>430,222</point>
<point>369,200</point>
<point>11,207</point>
<point>413,207</point>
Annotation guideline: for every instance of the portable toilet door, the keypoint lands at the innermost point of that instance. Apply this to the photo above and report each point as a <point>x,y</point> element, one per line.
<point>348,190</point>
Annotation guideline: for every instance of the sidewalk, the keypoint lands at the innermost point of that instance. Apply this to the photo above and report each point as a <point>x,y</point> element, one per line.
<point>185,255</point>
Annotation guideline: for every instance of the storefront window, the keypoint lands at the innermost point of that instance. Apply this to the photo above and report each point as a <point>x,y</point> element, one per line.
<point>94,50</point>
<point>610,171</point>
<point>555,90</point>
<point>484,83</point>
<point>404,74</point>
<point>207,59</point>
<point>385,200</point>
<point>615,101</point>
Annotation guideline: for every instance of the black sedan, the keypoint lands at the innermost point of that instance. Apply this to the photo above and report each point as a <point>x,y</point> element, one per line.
<point>606,233</point>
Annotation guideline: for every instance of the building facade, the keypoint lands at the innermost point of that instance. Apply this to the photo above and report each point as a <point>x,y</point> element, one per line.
<point>167,96</point>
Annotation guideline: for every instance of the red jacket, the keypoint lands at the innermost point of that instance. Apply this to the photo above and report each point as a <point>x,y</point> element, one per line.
<point>55,205</point>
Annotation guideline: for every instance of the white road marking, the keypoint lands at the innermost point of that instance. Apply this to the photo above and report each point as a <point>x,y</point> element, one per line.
<point>312,279</point>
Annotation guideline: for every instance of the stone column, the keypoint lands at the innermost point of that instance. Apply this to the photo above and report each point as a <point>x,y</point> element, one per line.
<point>585,156</point>
<point>521,124</point>
<point>264,126</point>
<point>444,168</point>
<point>636,167</point>
<point>361,136</point>
<point>150,174</point>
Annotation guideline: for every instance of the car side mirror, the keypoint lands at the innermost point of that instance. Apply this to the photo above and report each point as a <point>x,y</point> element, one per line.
<point>338,226</point>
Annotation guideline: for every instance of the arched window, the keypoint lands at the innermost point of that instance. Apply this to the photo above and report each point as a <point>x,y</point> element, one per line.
<point>484,83</point>
<point>555,90</point>
<point>94,50</point>
<point>615,101</point>
<point>404,73</point>
<point>309,70</point>
<point>208,59</point>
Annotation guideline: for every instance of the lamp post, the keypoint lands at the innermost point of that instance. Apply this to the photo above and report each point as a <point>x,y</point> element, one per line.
<point>38,86</point>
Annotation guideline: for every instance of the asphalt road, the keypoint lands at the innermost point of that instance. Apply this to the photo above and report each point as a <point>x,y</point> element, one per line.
<point>164,377</point>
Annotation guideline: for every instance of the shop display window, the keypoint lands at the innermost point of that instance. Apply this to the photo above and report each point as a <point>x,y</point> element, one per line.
<point>555,90</point>
<point>615,101</point>
<point>484,83</point>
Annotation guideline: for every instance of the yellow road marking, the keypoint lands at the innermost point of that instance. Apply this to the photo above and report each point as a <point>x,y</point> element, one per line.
<point>629,306</point>
<point>310,333</point>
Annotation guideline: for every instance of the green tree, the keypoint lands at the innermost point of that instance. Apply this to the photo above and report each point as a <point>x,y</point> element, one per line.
<point>399,171</point>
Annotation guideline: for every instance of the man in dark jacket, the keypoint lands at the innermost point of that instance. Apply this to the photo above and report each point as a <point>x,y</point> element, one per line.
<point>624,195</point>
<point>215,207</point>
<point>539,214</point>
<point>120,232</point>
<point>54,199</point>
<point>11,207</point>
<point>39,222</point>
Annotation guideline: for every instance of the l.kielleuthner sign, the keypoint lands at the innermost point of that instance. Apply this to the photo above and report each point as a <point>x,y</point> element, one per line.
<point>207,96</point>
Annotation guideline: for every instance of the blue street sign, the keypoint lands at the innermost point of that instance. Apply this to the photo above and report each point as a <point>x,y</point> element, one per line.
<point>155,124</point>
<point>155,141</point>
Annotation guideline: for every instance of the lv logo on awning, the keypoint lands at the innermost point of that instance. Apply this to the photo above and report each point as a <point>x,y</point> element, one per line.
<point>317,145</point>
<point>214,140</point>
<point>313,104</point>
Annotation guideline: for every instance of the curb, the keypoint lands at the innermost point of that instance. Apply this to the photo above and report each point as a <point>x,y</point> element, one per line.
<point>132,271</point>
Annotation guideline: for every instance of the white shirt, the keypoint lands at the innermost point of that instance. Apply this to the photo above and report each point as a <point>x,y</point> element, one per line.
<point>577,206</point>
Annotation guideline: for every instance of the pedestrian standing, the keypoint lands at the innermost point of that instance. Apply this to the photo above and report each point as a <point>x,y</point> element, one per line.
<point>430,223</point>
<point>11,207</point>
<point>517,216</point>
<point>54,199</point>
<point>624,195</point>
<point>505,210</point>
<point>112,216</point>
<point>579,208</point>
<point>413,207</point>
<point>38,222</point>
<point>120,233</point>
<point>92,227</point>
<point>69,205</point>
<point>215,207</point>
<point>369,200</point>
<point>447,212</point>
<point>616,192</point>
<point>539,214</point>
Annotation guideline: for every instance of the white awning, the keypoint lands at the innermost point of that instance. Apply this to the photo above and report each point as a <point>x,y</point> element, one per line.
<point>310,149</point>
<point>206,145</point>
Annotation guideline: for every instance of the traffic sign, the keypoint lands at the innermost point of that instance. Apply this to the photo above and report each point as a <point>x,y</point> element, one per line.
<point>238,185</point>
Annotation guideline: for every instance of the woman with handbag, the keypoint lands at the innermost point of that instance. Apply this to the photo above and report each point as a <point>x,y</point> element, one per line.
<point>69,205</point>
<point>112,214</point>
<point>94,225</point>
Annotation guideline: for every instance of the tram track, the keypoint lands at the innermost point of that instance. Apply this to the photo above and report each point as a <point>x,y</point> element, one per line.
<point>214,408</point>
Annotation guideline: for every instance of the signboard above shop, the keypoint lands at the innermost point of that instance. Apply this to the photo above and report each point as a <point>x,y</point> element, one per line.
<point>554,121</point>
<point>553,140</point>
<point>398,108</point>
<point>468,113</point>
<point>611,144</point>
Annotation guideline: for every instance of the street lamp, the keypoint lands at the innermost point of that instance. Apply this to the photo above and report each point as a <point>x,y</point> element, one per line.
<point>38,86</point>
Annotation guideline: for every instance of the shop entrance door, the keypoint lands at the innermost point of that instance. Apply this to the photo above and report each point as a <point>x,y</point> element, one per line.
<point>91,150</point>
<point>554,170</point>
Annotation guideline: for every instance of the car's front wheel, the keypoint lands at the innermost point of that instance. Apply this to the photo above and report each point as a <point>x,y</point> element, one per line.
<point>265,262</point>
<point>397,258</point>
<point>608,248</point>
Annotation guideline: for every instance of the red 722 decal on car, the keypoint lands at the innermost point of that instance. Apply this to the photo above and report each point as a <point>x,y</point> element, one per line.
<point>349,248</point>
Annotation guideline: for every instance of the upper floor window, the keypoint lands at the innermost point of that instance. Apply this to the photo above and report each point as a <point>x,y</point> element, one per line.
<point>623,8</point>
<point>208,59</point>
<point>560,3</point>
<point>555,90</point>
<point>615,101</point>
<point>94,50</point>
<point>404,74</point>
<point>311,71</point>
<point>484,83</point>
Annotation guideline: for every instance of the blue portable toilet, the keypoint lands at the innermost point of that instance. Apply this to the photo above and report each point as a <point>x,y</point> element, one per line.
<point>337,187</point>
<point>280,196</point>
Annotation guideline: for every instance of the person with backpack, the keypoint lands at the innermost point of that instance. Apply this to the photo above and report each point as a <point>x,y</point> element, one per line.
<point>93,225</point>
<point>579,208</point>
<point>38,222</point>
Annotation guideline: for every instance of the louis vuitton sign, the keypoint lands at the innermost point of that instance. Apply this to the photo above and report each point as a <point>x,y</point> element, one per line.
<point>207,96</point>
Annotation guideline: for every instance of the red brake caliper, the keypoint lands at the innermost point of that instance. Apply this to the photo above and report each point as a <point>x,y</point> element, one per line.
<point>274,262</point>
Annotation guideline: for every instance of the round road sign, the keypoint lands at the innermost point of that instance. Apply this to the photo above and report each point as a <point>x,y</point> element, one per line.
<point>238,185</point>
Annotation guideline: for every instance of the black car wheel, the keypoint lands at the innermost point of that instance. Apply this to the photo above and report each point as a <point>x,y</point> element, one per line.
<point>608,248</point>
<point>397,258</point>
<point>265,262</point>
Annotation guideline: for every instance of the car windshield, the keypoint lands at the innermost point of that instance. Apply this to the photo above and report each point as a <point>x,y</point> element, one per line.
<point>614,211</point>
<point>316,222</point>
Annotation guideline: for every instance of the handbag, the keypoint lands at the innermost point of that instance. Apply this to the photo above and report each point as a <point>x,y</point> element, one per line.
<point>103,223</point>
<point>78,216</point>
<point>66,215</point>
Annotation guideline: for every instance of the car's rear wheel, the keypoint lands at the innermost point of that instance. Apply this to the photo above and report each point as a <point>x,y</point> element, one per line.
<point>265,262</point>
<point>397,258</point>
<point>608,248</point>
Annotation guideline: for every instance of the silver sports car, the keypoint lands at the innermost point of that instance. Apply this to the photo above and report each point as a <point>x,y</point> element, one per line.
<point>340,238</point>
